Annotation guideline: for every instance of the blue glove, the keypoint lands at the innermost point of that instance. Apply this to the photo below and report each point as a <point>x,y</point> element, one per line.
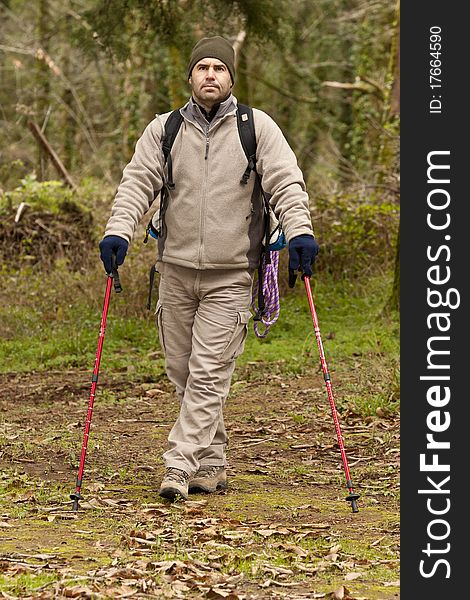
<point>302,252</point>
<point>109,245</point>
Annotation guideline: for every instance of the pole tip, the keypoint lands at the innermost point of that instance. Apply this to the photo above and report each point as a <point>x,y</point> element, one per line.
<point>353,498</point>
<point>75,497</point>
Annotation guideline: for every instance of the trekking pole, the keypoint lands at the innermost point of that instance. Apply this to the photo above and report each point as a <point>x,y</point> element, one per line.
<point>113,276</point>
<point>352,497</point>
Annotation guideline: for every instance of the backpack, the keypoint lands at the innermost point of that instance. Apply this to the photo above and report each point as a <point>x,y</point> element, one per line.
<point>274,238</point>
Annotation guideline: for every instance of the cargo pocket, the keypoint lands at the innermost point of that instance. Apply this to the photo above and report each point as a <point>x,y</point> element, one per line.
<point>159,323</point>
<point>236,342</point>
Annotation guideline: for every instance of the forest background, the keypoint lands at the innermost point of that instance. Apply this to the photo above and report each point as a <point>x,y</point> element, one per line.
<point>79,81</point>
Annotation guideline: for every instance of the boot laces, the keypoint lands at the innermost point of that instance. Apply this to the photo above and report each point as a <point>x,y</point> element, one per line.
<point>177,475</point>
<point>208,470</point>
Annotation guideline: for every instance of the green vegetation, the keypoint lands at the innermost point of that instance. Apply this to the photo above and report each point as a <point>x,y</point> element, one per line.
<point>39,336</point>
<point>50,196</point>
<point>27,583</point>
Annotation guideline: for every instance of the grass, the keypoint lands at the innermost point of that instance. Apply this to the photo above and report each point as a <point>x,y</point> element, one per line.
<point>49,330</point>
<point>360,341</point>
<point>26,583</point>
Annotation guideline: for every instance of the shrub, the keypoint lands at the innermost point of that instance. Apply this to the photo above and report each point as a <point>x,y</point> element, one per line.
<point>51,226</point>
<point>357,234</point>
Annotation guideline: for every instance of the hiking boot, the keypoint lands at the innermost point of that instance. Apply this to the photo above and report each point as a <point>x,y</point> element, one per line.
<point>174,484</point>
<point>208,479</point>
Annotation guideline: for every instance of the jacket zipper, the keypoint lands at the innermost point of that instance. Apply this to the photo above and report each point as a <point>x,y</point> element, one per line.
<point>203,201</point>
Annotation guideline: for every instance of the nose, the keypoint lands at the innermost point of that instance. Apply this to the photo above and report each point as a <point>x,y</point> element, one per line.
<point>210,73</point>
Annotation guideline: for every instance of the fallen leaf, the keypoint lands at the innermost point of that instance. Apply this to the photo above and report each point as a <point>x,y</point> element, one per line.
<point>78,591</point>
<point>144,535</point>
<point>314,525</point>
<point>63,515</point>
<point>83,531</point>
<point>333,553</point>
<point>95,487</point>
<point>293,548</point>
<point>38,556</point>
<point>302,446</point>
<point>265,532</point>
<point>352,576</point>
<point>28,498</point>
<point>377,541</point>
<point>233,535</point>
<point>277,570</point>
<point>342,593</point>
<point>143,542</point>
<point>309,568</point>
<point>218,593</point>
<point>270,582</point>
<point>153,393</point>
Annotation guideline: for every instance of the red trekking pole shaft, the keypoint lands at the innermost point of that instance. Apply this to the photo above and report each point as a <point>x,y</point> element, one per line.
<point>352,497</point>
<point>94,382</point>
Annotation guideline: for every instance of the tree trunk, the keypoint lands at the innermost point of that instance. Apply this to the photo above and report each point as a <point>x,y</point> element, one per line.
<point>388,151</point>
<point>43,80</point>
<point>69,122</point>
<point>394,300</point>
<point>394,68</point>
<point>178,94</point>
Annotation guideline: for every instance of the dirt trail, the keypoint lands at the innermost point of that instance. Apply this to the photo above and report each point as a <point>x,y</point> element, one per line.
<point>282,530</point>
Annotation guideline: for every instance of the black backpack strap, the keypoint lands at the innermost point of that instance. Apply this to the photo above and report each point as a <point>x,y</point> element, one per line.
<point>246,131</point>
<point>172,126</point>
<point>153,271</point>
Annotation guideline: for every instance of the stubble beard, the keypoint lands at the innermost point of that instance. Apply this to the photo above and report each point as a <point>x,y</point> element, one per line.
<point>208,97</point>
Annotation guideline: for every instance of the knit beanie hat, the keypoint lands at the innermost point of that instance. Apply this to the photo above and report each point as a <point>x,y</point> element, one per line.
<point>213,47</point>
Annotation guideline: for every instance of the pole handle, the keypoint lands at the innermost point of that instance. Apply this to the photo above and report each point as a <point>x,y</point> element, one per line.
<point>115,275</point>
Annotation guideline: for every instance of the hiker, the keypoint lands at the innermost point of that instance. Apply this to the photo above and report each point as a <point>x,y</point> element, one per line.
<point>209,246</point>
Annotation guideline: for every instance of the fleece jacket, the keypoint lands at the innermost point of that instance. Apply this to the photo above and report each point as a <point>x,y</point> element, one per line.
<point>212,220</point>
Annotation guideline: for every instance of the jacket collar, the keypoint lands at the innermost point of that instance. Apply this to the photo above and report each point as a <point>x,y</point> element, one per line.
<point>192,112</point>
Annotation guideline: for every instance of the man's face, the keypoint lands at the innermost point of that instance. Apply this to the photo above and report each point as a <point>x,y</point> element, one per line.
<point>210,82</point>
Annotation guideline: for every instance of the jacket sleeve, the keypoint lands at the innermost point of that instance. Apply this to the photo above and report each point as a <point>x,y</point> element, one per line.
<point>281,177</point>
<point>141,181</point>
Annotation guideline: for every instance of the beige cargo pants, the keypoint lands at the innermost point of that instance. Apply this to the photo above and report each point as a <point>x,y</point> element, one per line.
<point>202,319</point>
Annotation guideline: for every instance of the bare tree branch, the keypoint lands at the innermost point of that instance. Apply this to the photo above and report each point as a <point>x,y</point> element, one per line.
<point>41,138</point>
<point>361,84</point>
<point>285,93</point>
